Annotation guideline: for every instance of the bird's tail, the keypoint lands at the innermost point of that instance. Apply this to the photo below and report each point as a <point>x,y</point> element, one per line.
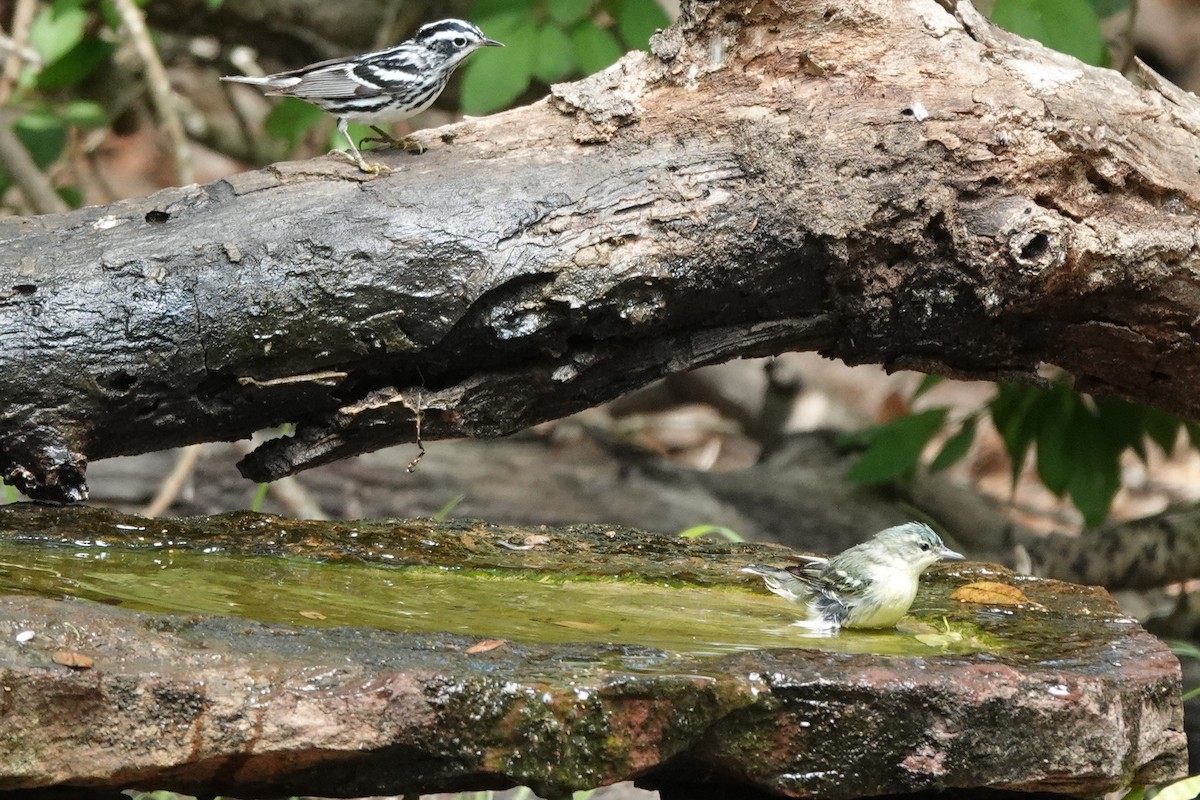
<point>781,582</point>
<point>269,81</point>
<point>762,571</point>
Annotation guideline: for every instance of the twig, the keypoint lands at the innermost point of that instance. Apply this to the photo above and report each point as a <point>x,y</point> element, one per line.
<point>297,501</point>
<point>391,12</point>
<point>418,418</point>
<point>295,497</point>
<point>18,52</point>
<point>160,89</point>
<point>1127,35</point>
<point>19,166</point>
<point>172,485</point>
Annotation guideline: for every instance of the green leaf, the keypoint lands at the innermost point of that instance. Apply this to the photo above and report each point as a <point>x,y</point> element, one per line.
<point>1193,432</point>
<point>214,5</point>
<point>84,114</point>
<point>956,446</point>
<point>1080,440</point>
<point>1123,425</point>
<point>1016,412</point>
<point>443,513</point>
<point>1097,474</point>
<point>56,30</point>
<point>554,57</point>
<point>483,9</point>
<point>71,196</point>
<point>927,383</point>
<point>1106,8</point>
<point>291,119</point>
<point>595,47</point>
<point>637,20</point>
<point>260,496</point>
<point>112,17</point>
<point>568,12</point>
<point>697,531</point>
<point>496,76</point>
<point>1069,26</point>
<point>75,65</point>
<point>854,440</point>
<point>1185,789</point>
<point>1184,649</point>
<point>1055,449</point>
<point>895,448</point>
<point>1162,428</point>
<point>44,134</point>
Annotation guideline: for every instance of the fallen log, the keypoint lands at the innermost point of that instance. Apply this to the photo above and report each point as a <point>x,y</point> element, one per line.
<point>899,183</point>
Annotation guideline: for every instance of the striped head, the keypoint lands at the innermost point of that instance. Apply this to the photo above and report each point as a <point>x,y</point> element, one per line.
<point>913,545</point>
<point>452,40</point>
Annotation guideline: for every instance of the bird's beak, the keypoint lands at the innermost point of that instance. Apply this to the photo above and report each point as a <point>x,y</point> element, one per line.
<point>950,555</point>
<point>491,43</point>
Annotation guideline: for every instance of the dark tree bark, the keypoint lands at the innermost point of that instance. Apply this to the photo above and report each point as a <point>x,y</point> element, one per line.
<point>882,182</point>
<point>291,33</point>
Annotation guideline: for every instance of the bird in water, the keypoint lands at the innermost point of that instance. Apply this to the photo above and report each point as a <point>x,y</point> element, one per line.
<point>870,585</point>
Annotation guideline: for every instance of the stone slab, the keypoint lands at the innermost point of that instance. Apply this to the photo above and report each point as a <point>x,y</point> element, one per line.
<point>1062,694</point>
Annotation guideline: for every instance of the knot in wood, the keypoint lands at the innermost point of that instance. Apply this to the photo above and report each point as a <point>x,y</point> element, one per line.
<point>1037,248</point>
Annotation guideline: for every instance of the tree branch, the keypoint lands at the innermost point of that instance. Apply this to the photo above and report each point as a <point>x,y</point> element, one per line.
<point>290,33</point>
<point>20,167</point>
<point>161,94</point>
<point>878,182</point>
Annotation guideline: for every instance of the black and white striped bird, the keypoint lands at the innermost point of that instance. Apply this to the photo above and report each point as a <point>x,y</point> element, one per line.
<point>382,87</point>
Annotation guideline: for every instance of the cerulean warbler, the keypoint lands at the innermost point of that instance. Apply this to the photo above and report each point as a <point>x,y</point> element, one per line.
<point>871,585</point>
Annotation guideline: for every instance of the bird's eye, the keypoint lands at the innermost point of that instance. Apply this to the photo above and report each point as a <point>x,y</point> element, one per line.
<point>460,41</point>
<point>924,545</point>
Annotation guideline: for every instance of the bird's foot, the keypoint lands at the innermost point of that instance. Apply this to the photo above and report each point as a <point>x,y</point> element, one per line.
<point>371,168</point>
<point>406,143</point>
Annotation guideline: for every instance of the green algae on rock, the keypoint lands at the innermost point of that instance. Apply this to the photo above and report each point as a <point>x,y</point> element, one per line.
<point>344,658</point>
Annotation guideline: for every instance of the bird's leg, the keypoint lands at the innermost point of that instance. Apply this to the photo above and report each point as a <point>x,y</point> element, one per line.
<point>373,168</point>
<point>404,142</point>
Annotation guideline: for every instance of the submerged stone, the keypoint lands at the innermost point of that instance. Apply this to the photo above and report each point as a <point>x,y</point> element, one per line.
<point>254,656</point>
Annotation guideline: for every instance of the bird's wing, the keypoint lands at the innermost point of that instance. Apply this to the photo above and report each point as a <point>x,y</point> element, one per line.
<point>371,75</point>
<point>394,70</point>
<point>829,578</point>
<point>829,608</point>
<point>332,82</point>
<point>832,590</point>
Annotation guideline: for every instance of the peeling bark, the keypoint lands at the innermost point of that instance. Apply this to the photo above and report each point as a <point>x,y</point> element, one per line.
<point>878,181</point>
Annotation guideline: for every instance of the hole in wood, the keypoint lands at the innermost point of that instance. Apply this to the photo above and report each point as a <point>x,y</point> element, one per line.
<point>1036,247</point>
<point>119,380</point>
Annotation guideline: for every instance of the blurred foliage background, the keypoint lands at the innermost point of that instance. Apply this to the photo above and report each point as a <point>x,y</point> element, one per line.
<point>80,74</point>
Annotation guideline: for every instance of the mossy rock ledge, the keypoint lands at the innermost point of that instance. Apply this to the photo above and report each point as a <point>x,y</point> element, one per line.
<point>255,656</point>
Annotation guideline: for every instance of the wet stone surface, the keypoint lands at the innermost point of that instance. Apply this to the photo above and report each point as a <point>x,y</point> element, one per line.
<point>254,656</point>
